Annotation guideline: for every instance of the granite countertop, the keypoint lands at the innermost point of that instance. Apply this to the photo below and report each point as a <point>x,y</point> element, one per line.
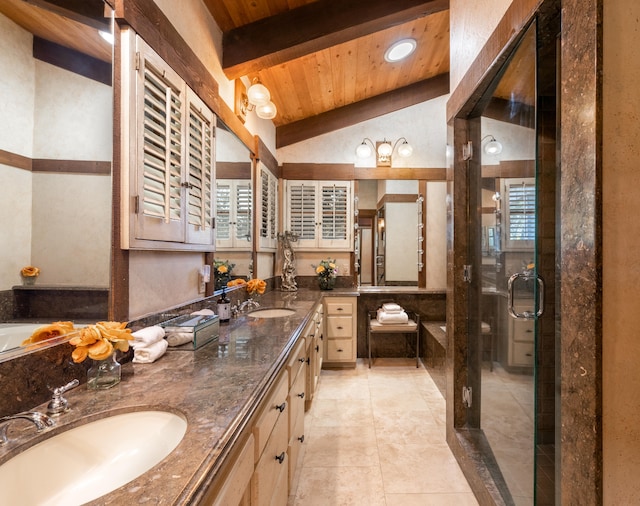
<point>216,388</point>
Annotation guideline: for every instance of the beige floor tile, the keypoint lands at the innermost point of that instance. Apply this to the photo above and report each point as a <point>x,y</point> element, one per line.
<point>431,500</point>
<point>339,486</point>
<point>341,447</point>
<point>420,469</point>
<point>408,427</point>
<point>342,413</point>
<point>335,387</point>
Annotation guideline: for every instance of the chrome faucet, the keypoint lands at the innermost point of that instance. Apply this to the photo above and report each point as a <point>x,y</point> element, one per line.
<point>248,304</point>
<point>40,420</point>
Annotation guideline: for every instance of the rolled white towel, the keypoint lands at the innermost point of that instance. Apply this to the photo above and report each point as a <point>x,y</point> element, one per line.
<point>178,338</point>
<point>392,318</point>
<point>147,336</point>
<point>203,312</point>
<point>391,307</point>
<point>150,353</point>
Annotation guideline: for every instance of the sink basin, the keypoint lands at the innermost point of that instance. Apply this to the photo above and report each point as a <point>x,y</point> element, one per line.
<point>276,312</point>
<point>88,461</point>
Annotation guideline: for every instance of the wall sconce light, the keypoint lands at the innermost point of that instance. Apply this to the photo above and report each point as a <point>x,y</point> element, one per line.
<point>258,98</point>
<point>383,150</point>
<point>493,147</point>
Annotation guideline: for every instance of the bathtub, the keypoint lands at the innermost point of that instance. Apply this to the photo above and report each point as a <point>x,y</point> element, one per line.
<point>13,334</point>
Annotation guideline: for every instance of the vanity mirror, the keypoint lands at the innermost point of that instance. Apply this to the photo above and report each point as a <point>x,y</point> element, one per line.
<point>234,202</point>
<point>55,163</point>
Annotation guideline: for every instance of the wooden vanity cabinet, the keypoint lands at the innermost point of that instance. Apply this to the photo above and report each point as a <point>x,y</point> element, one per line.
<point>340,317</point>
<point>297,367</point>
<point>314,334</point>
<point>271,433</point>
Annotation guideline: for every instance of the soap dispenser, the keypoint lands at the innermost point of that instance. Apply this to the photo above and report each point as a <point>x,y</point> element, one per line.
<point>224,307</point>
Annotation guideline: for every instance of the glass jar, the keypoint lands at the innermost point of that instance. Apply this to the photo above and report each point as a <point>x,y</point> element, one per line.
<point>104,374</point>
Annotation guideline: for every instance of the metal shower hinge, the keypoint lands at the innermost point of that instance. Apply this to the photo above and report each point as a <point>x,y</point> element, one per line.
<point>467,395</point>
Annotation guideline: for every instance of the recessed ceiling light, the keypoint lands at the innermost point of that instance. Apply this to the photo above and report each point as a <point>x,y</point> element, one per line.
<point>400,50</point>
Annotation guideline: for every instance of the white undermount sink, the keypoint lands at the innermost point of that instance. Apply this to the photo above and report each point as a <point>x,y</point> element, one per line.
<point>90,460</point>
<point>276,312</point>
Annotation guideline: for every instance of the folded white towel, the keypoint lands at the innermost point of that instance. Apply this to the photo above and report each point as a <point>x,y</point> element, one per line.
<point>391,307</point>
<point>203,312</point>
<point>147,336</point>
<point>392,318</point>
<point>178,338</point>
<point>150,353</point>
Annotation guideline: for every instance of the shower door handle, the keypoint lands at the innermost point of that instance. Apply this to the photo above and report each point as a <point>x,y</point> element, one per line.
<point>525,315</point>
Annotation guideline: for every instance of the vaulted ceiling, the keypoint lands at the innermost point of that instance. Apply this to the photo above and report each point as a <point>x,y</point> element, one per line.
<point>322,60</point>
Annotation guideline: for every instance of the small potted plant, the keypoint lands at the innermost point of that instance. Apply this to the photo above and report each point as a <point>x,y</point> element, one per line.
<point>29,275</point>
<point>326,271</point>
<point>222,273</point>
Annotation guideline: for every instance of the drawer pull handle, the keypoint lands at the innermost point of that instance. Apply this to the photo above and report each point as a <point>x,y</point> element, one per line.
<point>301,360</point>
<point>301,395</point>
<point>340,350</point>
<point>301,438</point>
<point>281,407</point>
<point>339,328</point>
<point>280,458</point>
<point>308,361</point>
<point>317,347</point>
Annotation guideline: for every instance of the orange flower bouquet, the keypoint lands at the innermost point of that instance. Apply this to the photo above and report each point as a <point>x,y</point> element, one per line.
<point>99,341</point>
<point>256,287</point>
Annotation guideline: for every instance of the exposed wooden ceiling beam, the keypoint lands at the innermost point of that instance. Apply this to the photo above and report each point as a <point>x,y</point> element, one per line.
<point>361,111</point>
<point>88,12</point>
<point>313,27</point>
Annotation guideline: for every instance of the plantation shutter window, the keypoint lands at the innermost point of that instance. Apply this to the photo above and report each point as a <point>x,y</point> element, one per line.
<point>520,213</point>
<point>319,212</point>
<point>233,214</point>
<point>268,192</point>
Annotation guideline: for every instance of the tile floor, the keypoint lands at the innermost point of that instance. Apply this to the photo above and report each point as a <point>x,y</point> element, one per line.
<point>377,437</point>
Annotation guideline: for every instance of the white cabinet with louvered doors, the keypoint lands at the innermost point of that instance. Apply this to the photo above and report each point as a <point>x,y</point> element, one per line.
<point>167,196</point>
<point>233,214</point>
<point>319,212</point>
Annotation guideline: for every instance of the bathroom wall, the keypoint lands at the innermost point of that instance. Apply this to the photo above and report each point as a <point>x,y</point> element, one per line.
<point>621,243</point>
<point>49,113</point>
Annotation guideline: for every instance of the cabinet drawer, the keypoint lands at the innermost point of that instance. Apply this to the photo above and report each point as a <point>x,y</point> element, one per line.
<point>296,399</point>
<point>238,477</point>
<point>337,306</point>
<point>295,445</point>
<point>522,354</point>
<point>523,330</point>
<point>339,349</point>
<point>274,408</point>
<point>339,326</point>
<point>297,360</point>
<point>272,462</point>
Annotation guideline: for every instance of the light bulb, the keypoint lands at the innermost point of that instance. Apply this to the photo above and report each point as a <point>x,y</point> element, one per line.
<point>385,149</point>
<point>258,94</point>
<point>363,150</point>
<point>493,147</point>
<point>266,111</point>
<point>405,150</point>
<point>400,50</point>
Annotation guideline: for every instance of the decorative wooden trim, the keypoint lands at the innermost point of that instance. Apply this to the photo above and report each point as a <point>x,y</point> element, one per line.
<point>15,160</point>
<point>491,57</point>
<point>510,168</point>
<point>396,198</point>
<point>313,27</point>
<point>233,170</point>
<point>318,171</point>
<point>72,166</point>
<point>363,110</point>
<point>72,60</point>
<point>264,155</point>
<point>422,274</point>
<point>87,12</point>
<point>431,174</point>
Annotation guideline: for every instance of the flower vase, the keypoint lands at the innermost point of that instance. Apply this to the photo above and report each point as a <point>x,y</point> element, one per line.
<point>104,374</point>
<point>326,283</point>
<point>29,280</point>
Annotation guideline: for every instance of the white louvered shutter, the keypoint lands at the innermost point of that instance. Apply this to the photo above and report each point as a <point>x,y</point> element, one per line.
<point>233,214</point>
<point>160,145</point>
<point>200,171</point>
<point>520,213</point>
<point>268,210</point>
<point>302,212</point>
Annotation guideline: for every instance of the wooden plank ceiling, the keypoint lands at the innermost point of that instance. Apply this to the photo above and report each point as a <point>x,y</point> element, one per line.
<point>323,60</point>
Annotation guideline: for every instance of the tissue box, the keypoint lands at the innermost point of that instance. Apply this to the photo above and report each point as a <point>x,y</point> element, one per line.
<point>204,329</point>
